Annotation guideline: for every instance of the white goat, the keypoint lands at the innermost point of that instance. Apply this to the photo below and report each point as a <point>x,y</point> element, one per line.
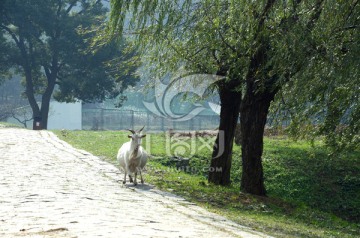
<point>132,157</point>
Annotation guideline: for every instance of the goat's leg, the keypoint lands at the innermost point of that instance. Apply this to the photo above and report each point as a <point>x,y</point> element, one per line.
<point>135,181</point>
<point>142,180</point>
<point>124,182</point>
<point>131,180</point>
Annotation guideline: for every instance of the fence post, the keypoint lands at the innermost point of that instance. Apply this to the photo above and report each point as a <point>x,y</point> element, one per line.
<point>102,119</point>
<point>192,124</point>
<point>162,123</point>
<point>147,121</point>
<point>199,123</point>
<point>132,119</point>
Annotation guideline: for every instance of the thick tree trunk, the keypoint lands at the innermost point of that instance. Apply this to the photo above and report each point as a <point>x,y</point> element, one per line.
<point>30,94</point>
<point>45,104</point>
<point>253,115</point>
<point>219,171</point>
<point>41,115</point>
<point>31,97</point>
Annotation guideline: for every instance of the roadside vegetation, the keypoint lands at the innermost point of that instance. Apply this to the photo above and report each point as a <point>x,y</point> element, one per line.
<point>8,125</point>
<point>311,192</point>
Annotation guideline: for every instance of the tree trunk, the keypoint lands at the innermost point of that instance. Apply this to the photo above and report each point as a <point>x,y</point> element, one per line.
<point>253,114</point>
<point>31,97</point>
<point>41,115</point>
<point>45,106</point>
<point>46,97</point>
<point>219,171</point>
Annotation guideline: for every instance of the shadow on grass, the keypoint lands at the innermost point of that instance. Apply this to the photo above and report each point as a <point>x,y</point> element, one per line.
<point>301,175</point>
<point>313,178</point>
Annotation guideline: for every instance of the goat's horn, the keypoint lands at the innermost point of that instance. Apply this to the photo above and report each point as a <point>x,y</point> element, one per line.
<point>141,129</point>
<point>132,131</point>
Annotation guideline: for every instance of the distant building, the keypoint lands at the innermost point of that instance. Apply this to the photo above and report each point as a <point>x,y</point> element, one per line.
<point>61,116</point>
<point>65,116</point>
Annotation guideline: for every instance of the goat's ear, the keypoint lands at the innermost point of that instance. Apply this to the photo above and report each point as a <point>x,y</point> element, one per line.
<point>129,136</point>
<point>143,136</point>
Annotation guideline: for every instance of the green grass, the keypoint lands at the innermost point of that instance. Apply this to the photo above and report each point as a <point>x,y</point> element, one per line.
<point>8,125</point>
<point>310,193</point>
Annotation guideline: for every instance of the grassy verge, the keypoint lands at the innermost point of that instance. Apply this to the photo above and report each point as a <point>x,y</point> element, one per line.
<point>8,125</point>
<point>310,193</point>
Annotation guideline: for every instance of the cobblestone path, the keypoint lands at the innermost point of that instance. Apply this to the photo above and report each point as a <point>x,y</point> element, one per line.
<point>50,189</point>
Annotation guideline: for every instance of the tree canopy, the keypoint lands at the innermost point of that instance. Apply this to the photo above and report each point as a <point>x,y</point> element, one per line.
<point>47,42</point>
<point>312,47</point>
<point>302,54</point>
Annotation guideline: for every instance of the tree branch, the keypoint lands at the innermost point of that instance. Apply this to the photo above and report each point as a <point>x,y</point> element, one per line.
<point>263,16</point>
<point>215,57</point>
<point>47,71</point>
<point>13,115</point>
<point>84,9</point>
<point>72,4</point>
<point>59,8</point>
<point>352,10</point>
<point>226,43</point>
<point>350,27</point>
<point>317,12</point>
<point>12,34</point>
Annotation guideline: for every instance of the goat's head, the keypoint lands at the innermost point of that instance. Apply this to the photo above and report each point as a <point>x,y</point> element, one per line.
<point>136,136</point>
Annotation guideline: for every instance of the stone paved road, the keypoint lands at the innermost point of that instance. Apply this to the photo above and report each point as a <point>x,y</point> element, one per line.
<point>50,189</point>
